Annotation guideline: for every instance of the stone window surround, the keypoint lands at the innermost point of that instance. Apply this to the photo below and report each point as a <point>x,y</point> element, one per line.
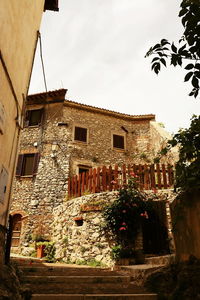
<point>81,163</point>
<point>113,132</point>
<point>73,134</point>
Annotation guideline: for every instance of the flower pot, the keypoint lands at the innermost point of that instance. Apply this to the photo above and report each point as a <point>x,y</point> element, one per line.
<point>40,251</point>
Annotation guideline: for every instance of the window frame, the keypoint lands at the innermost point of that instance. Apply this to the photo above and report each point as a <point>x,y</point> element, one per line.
<point>87,134</point>
<point>20,165</point>
<point>112,140</point>
<point>28,117</point>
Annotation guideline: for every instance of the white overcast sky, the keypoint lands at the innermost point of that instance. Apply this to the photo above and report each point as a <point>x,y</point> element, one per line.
<point>96,49</point>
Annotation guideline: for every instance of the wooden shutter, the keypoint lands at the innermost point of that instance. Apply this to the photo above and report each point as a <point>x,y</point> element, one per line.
<point>41,117</point>
<point>36,163</point>
<point>27,118</point>
<point>19,165</point>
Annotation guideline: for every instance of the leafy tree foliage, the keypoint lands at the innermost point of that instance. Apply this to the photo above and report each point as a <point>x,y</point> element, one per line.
<point>188,165</point>
<point>187,50</point>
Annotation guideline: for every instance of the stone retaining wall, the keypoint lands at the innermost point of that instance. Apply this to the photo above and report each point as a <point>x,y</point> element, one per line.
<point>88,242</point>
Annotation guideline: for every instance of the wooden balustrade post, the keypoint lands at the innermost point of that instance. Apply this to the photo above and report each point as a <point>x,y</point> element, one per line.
<point>116,178</point>
<point>158,176</point>
<point>94,181</point>
<point>104,183</point>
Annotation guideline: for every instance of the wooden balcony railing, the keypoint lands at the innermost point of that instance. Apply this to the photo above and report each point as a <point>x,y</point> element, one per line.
<point>96,180</point>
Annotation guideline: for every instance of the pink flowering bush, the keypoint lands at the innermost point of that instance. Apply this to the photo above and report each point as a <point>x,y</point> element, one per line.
<point>125,215</point>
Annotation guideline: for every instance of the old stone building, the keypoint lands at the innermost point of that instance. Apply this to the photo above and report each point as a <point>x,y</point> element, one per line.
<point>62,138</point>
<point>19,27</point>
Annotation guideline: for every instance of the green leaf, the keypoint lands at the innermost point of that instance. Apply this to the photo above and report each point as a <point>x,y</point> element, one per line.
<point>183,12</point>
<point>188,76</point>
<point>174,49</point>
<point>164,42</point>
<point>163,62</point>
<point>189,67</point>
<point>197,66</point>
<point>156,46</point>
<point>154,59</point>
<point>196,93</point>
<point>195,82</point>
<point>174,59</point>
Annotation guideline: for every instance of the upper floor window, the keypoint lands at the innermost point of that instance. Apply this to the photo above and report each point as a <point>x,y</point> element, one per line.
<point>51,5</point>
<point>80,134</point>
<point>34,117</point>
<point>27,164</point>
<point>118,141</point>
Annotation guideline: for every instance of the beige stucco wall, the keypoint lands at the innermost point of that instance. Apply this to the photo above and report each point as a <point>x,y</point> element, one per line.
<point>20,22</point>
<point>185,211</point>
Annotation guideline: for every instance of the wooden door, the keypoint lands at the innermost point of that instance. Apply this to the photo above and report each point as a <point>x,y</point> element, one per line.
<point>16,231</point>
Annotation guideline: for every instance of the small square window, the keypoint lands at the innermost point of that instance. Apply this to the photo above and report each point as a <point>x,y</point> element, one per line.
<point>51,5</point>
<point>80,134</point>
<point>118,141</point>
<point>34,117</point>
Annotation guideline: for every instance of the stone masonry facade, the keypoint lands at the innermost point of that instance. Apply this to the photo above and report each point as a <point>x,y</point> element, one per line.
<point>38,195</point>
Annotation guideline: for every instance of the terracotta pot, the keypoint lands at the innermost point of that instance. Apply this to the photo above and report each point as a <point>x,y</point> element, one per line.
<point>40,251</point>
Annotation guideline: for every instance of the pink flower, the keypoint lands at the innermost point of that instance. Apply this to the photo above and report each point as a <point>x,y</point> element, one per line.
<point>124,211</point>
<point>113,182</point>
<point>145,214</point>
<point>123,223</point>
<point>132,174</point>
<point>122,228</point>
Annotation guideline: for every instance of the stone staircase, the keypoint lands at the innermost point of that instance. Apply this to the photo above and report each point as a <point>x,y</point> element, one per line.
<point>139,273</point>
<point>70,282</point>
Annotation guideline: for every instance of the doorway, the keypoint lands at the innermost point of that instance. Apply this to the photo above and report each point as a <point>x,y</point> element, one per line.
<point>16,230</point>
<point>155,232</point>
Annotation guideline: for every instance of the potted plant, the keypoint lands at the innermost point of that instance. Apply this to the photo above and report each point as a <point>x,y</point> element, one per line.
<point>40,248</point>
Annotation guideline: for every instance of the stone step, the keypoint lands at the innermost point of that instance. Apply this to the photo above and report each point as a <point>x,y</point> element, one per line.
<point>64,271</point>
<point>76,279</point>
<point>160,260</point>
<point>85,288</point>
<point>139,273</point>
<point>94,297</point>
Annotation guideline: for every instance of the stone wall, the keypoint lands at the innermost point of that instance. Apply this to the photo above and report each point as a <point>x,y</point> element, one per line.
<point>159,138</point>
<point>99,151</point>
<point>38,195</point>
<point>83,243</point>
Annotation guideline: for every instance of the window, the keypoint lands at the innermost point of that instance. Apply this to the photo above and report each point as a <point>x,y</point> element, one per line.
<point>80,134</point>
<point>27,164</point>
<point>118,141</point>
<point>51,5</point>
<point>34,117</point>
<point>83,169</point>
